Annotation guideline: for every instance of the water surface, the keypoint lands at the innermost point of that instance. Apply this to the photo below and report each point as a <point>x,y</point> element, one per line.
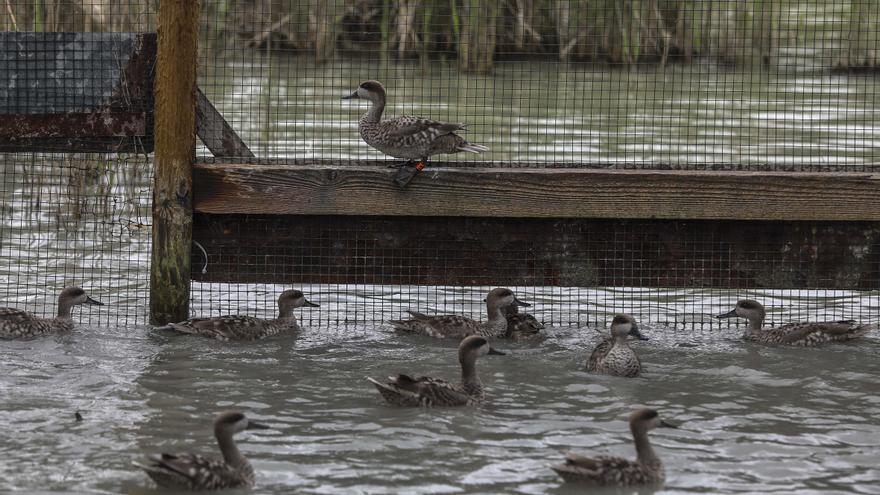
<point>753,419</point>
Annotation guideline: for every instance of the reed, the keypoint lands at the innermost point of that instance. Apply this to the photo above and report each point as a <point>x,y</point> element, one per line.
<point>862,37</point>
<point>480,32</point>
<point>476,47</point>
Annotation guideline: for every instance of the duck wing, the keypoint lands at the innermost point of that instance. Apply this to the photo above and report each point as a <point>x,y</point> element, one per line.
<point>418,128</point>
<point>523,326</point>
<point>601,470</point>
<point>18,323</point>
<point>438,326</point>
<point>190,471</point>
<point>598,354</point>
<point>403,390</point>
<point>817,333</point>
<point>222,327</point>
<point>17,315</point>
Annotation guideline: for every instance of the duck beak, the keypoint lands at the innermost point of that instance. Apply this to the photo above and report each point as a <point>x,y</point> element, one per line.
<point>667,424</point>
<point>310,303</point>
<point>520,303</point>
<point>93,302</point>
<point>634,332</point>
<point>495,351</point>
<point>729,314</point>
<point>253,425</point>
<point>353,96</point>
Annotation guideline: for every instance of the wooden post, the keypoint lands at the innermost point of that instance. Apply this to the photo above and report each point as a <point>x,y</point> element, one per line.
<point>175,97</point>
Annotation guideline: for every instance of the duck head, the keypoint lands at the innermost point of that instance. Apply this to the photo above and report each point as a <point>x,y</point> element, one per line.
<point>473,347</point>
<point>231,422</point>
<point>292,299</point>
<point>624,325</point>
<point>72,296</point>
<point>503,297</point>
<point>368,90</point>
<point>648,419</point>
<point>749,309</point>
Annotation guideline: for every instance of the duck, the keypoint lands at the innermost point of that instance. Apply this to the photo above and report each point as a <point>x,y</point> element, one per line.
<point>456,326</point>
<point>647,469</point>
<point>403,390</point>
<point>521,326</point>
<point>241,328</point>
<point>797,334</point>
<point>19,324</point>
<point>195,472</point>
<point>414,139</point>
<point>614,356</point>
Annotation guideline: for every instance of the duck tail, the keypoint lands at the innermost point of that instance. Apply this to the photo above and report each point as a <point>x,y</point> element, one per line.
<point>860,330</point>
<point>176,327</point>
<point>472,148</point>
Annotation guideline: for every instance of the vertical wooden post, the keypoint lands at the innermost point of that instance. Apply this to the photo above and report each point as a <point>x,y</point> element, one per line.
<point>175,97</point>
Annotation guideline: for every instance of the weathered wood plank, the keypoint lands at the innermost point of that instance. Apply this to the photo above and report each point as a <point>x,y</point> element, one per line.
<point>175,141</point>
<point>217,135</point>
<point>296,249</point>
<point>541,193</point>
<point>73,125</point>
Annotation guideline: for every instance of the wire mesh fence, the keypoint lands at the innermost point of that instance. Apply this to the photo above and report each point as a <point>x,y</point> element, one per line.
<point>705,85</point>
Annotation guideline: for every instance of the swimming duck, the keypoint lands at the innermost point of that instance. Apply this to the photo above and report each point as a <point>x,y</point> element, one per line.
<point>194,472</point>
<point>239,327</point>
<point>613,356</point>
<point>521,326</point>
<point>16,323</point>
<point>404,390</point>
<point>412,138</point>
<point>647,469</point>
<point>442,326</point>
<point>803,334</point>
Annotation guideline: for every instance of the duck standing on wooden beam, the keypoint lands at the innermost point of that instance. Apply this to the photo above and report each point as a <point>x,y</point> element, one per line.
<point>411,138</point>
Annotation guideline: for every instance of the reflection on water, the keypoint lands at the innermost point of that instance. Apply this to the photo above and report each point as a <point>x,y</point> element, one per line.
<point>754,419</point>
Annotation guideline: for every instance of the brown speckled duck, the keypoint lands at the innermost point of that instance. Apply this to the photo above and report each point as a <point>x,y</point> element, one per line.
<point>194,472</point>
<point>411,138</point>
<point>455,326</point>
<point>802,334</point>
<point>239,327</point>
<point>647,469</point>
<point>19,324</point>
<point>522,326</point>
<point>403,390</point>
<point>613,356</point>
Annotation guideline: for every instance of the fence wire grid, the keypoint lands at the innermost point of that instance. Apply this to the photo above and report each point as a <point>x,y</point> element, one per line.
<point>777,85</point>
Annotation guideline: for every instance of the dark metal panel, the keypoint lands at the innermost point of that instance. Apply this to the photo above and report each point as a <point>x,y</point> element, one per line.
<point>76,91</point>
<point>537,252</point>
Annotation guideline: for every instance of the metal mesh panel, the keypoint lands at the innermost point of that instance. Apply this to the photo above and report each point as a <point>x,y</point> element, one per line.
<point>744,85</point>
<point>75,176</point>
<point>574,271</point>
<point>722,85</point>
<point>736,84</point>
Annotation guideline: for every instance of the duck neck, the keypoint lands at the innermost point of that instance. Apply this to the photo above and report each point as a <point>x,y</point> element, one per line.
<point>755,324</point>
<point>469,375</point>
<point>230,451</point>
<point>374,113</point>
<point>619,341</point>
<point>495,314</point>
<point>644,452</point>
<point>64,308</point>
<point>286,316</point>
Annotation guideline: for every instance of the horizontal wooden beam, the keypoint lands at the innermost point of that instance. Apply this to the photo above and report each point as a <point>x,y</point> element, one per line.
<point>322,189</point>
<point>72,125</point>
